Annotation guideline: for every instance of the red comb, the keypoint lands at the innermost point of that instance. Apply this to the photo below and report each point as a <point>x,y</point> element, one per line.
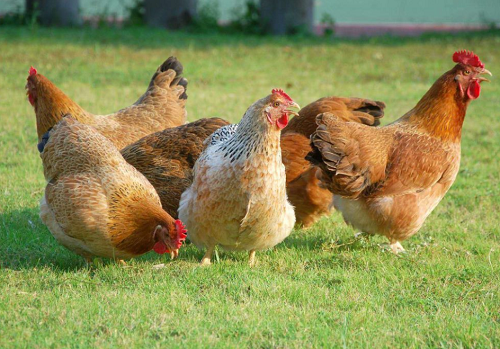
<point>282,93</point>
<point>181,233</point>
<point>32,71</point>
<point>468,58</point>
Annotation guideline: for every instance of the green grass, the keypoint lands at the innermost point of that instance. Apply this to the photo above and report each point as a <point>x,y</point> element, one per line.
<point>319,288</point>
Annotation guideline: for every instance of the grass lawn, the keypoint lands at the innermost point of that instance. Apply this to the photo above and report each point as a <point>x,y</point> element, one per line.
<point>320,288</point>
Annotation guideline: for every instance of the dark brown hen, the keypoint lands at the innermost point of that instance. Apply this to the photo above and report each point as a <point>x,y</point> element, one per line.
<point>166,158</point>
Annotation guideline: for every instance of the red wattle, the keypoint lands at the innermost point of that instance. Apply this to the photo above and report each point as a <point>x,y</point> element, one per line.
<point>31,99</point>
<point>282,122</point>
<point>160,248</point>
<point>474,90</point>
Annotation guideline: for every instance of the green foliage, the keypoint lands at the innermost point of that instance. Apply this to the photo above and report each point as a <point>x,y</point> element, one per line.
<point>19,17</point>
<point>328,20</point>
<point>136,14</point>
<point>247,21</point>
<point>207,18</point>
<point>320,288</point>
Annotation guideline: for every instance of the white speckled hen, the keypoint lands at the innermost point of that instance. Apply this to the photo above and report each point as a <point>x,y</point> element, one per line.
<point>238,197</point>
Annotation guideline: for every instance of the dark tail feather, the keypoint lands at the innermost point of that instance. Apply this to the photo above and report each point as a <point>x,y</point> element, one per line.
<point>45,138</point>
<point>375,109</point>
<point>183,82</point>
<point>175,65</point>
<point>43,142</point>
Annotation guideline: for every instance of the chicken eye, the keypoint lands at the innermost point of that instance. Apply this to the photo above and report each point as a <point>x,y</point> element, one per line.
<point>467,72</point>
<point>276,104</point>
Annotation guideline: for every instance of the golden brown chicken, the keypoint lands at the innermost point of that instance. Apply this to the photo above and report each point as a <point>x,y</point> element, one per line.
<point>167,158</point>
<point>161,106</point>
<point>311,201</point>
<point>95,203</point>
<point>238,196</point>
<point>388,180</point>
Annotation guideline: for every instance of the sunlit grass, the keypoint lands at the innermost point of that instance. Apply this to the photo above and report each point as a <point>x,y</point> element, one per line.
<point>318,288</point>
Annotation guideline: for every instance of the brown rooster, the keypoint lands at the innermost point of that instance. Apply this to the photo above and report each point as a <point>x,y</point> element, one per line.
<point>388,180</point>
<point>161,106</point>
<point>167,158</point>
<point>310,200</point>
<point>95,203</point>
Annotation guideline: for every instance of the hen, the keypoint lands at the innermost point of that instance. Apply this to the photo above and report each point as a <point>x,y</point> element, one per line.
<point>161,106</point>
<point>311,201</point>
<point>388,180</point>
<point>167,158</point>
<point>238,197</point>
<point>96,204</point>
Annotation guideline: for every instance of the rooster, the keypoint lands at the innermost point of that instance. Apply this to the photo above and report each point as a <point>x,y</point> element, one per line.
<point>161,106</point>
<point>238,197</point>
<point>311,201</point>
<point>388,180</point>
<point>95,203</point>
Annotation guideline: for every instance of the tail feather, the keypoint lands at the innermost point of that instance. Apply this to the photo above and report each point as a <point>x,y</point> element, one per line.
<point>43,142</point>
<point>45,138</point>
<point>183,82</point>
<point>172,64</point>
<point>373,108</point>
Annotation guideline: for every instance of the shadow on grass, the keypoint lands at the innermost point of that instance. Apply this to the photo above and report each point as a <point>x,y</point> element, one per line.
<point>26,243</point>
<point>143,37</point>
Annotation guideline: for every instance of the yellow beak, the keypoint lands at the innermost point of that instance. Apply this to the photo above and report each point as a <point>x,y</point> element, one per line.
<point>293,106</point>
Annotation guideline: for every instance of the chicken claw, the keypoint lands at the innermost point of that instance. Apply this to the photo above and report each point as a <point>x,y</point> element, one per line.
<point>397,248</point>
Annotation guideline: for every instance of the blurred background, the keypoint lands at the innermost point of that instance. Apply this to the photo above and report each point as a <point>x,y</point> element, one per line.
<point>321,17</point>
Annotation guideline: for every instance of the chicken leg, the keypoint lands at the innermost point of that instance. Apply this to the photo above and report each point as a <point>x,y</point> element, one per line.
<point>251,258</point>
<point>208,255</point>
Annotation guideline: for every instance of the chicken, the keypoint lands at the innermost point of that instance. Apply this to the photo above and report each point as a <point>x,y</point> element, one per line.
<point>238,197</point>
<point>161,106</point>
<point>311,201</point>
<point>95,203</point>
<point>167,158</point>
<point>388,180</point>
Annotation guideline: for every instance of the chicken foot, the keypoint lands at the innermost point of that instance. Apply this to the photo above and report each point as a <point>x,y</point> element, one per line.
<point>396,247</point>
<point>208,255</point>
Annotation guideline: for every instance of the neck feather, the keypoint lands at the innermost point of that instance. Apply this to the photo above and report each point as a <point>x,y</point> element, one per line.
<point>441,111</point>
<point>51,105</point>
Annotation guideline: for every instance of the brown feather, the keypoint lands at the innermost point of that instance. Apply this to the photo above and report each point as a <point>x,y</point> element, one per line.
<point>388,180</point>
<point>309,198</point>
<point>96,204</point>
<point>167,158</point>
<point>161,106</point>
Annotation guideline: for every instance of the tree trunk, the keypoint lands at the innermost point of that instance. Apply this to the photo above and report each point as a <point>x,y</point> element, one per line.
<point>287,16</point>
<point>30,7</point>
<point>171,14</point>
<point>57,12</point>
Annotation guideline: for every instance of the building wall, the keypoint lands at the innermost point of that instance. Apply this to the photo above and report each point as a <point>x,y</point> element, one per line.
<point>343,11</point>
